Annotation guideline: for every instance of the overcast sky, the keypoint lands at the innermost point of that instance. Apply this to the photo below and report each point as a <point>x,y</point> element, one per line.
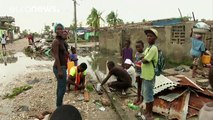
<point>34,14</point>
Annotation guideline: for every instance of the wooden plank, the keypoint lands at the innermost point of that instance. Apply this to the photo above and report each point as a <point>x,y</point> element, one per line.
<point>121,113</point>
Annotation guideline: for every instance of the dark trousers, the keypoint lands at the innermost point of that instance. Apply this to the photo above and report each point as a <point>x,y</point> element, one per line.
<point>61,85</point>
<point>118,85</point>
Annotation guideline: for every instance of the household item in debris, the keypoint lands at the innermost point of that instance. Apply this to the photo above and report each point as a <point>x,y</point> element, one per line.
<point>86,96</point>
<point>98,88</point>
<point>206,59</point>
<point>47,52</point>
<point>132,106</point>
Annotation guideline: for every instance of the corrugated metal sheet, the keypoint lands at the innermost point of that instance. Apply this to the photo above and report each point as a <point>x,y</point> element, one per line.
<point>177,109</point>
<point>185,81</point>
<point>162,83</point>
<point>172,96</point>
<point>166,22</point>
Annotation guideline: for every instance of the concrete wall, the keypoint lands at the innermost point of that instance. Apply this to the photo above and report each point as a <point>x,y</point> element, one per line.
<point>111,40</point>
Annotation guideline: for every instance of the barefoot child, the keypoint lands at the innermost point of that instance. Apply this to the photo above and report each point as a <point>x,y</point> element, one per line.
<point>138,56</point>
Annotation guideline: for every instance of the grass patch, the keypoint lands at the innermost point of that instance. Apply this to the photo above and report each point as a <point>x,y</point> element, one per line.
<point>89,87</point>
<point>172,64</point>
<point>17,91</point>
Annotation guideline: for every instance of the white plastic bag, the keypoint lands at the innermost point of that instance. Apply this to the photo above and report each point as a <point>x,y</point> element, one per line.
<point>98,87</point>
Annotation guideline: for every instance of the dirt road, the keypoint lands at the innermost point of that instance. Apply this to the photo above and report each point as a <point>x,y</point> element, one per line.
<point>41,97</point>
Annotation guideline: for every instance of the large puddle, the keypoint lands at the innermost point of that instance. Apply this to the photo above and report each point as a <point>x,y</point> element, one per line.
<point>19,64</point>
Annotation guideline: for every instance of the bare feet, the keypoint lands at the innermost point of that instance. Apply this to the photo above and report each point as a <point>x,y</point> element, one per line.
<point>138,101</point>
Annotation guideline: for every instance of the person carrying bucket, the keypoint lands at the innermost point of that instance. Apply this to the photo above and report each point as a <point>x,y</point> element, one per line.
<point>197,50</point>
<point>77,77</point>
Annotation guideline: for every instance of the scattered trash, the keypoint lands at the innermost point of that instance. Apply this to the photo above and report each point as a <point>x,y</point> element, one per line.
<point>102,108</point>
<point>80,98</point>
<point>132,106</point>
<point>23,108</point>
<point>86,96</point>
<point>31,82</point>
<point>105,102</point>
<point>182,69</point>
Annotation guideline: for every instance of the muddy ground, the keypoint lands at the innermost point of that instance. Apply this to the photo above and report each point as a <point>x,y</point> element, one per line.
<point>41,97</point>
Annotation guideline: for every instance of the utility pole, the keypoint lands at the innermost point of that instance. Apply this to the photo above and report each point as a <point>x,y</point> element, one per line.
<point>75,24</point>
<point>180,12</point>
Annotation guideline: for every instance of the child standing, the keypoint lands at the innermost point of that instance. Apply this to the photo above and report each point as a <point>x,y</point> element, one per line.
<point>73,56</point>
<point>3,41</point>
<point>127,51</point>
<point>138,63</point>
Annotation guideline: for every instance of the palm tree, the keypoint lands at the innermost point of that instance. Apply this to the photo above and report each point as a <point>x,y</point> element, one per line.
<point>93,20</point>
<point>113,20</point>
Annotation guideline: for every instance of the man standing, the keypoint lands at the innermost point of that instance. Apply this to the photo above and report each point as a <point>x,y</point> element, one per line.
<point>148,75</point>
<point>60,64</point>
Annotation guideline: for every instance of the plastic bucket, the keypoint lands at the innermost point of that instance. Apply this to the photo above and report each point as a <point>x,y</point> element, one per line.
<point>206,59</point>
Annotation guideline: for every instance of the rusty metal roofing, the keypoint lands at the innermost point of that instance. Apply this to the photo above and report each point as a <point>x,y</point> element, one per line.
<point>172,96</point>
<point>185,81</point>
<point>181,103</point>
<point>177,109</point>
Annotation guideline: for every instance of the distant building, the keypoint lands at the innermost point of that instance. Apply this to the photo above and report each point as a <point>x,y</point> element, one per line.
<point>8,28</point>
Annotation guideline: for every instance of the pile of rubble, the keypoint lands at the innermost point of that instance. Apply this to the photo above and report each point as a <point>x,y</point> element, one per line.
<point>178,97</point>
<point>40,47</point>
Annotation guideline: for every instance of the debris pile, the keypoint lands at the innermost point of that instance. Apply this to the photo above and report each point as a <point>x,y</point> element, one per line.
<point>40,48</point>
<point>183,101</point>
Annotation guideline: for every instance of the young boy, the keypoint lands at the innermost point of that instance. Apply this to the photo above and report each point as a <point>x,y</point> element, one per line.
<point>123,78</point>
<point>77,77</point>
<point>148,74</point>
<point>138,63</point>
<point>127,51</point>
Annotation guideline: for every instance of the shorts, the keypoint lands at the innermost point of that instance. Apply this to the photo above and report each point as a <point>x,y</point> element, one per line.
<point>148,90</point>
<point>119,85</point>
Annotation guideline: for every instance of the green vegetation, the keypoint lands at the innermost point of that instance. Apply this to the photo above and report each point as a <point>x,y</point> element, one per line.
<point>170,64</point>
<point>93,20</point>
<point>17,91</point>
<point>89,87</point>
<point>113,20</point>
